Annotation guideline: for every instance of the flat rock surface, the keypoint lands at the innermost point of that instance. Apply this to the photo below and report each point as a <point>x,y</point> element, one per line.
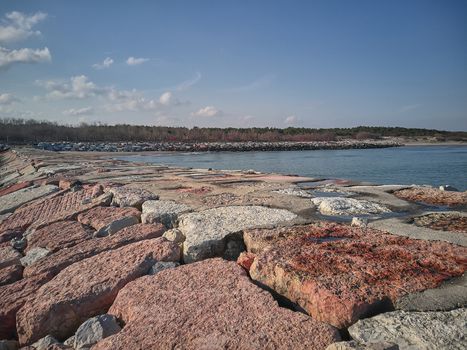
<point>131,197</point>
<point>236,314</point>
<point>454,222</point>
<point>347,206</point>
<point>56,262</point>
<point>10,202</point>
<point>100,217</point>
<point>207,231</point>
<point>15,187</point>
<point>432,196</point>
<point>59,235</point>
<point>87,288</point>
<point>339,273</point>
<point>415,330</point>
<point>164,211</point>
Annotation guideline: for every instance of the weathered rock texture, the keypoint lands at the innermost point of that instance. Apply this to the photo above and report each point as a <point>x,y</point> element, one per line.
<point>165,212</point>
<point>347,206</point>
<point>108,220</point>
<point>443,221</point>
<point>34,255</point>
<point>339,273</point>
<point>353,345</point>
<point>88,288</point>
<point>208,232</point>
<point>10,202</point>
<point>131,197</point>
<point>95,329</point>
<point>56,262</point>
<point>59,235</point>
<point>10,274</point>
<point>415,330</point>
<point>8,255</point>
<point>15,187</point>
<point>432,196</point>
<point>235,314</point>
<point>12,298</point>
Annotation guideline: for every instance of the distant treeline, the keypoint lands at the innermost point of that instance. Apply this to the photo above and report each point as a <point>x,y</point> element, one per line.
<point>20,131</point>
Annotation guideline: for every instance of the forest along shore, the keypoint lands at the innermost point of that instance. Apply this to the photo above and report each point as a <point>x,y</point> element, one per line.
<point>90,246</point>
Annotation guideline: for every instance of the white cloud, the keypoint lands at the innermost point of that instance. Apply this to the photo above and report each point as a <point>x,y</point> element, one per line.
<point>105,64</point>
<point>189,83</point>
<point>9,57</point>
<point>79,87</point>
<point>135,101</point>
<point>208,111</point>
<point>78,112</point>
<point>290,120</point>
<point>133,61</point>
<point>18,26</point>
<point>7,99</point>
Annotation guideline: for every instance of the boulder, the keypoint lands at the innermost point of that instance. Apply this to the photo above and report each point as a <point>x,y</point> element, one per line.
<point>165,212</point>
<point>162,265</point>
<point>209,304</point>
<point>95,329</point>
<point>433,196</point>
<point>34,255</point>
<point>56,262</point>
<point>12,298</point>
<point>108,220</point>
<point>347,206</point>
<point>208,232</point>
<point>339,274</point>
<point>44,343</point>
<point>9,256</point>
<point>12,201</point>
<point>131,197</point>
<point>415,330</point>
<point>87,288</point>
<point>59,235</point>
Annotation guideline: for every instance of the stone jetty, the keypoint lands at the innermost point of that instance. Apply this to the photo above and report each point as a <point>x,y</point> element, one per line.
<point>98,253</point>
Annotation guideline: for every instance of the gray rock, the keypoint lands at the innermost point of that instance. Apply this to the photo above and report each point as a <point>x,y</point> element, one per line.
<point>359,222</point>
<point>12,201</point>
<point>34,255</point>
<point>19,243</point>
<point>163,211</point>
<point>174,235</point>
<point>95,329</point>
<point>131,197</point>
<point>70,341</point>
<point>9,256</point>
<point>208,232</point>
<point>9,345</point>
<point>448,188</point>
<point>450,295</point>
<point>43,343</point>
<point>415,330</point>
<point>347,206</point>
<point>353,345</point>
<point>116,226</point>
<point>162,265</point>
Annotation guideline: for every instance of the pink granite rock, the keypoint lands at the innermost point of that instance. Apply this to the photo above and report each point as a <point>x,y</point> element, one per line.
<point>87,288</point>
<point>11,274</point>
<point>211,304</point>
<point>110,218</point>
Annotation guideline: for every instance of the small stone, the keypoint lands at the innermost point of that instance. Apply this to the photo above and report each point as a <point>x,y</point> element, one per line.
<point>95,329</point>
<point>9,345</point>
<point>174,235</point>
<point>44,343</point>
<point>34,255</point>
<point>19,243</point>
<point>448,188</point>
<point>70,341</point>
<point>97,191</point>
<point>162,265</point>
<point>359,222</point>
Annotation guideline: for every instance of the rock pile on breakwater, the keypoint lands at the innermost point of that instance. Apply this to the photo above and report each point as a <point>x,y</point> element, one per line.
<point>211,146</point>
<point>98,253</point>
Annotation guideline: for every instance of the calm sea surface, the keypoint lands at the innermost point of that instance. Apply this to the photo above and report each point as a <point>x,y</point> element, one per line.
<point>432,165</point>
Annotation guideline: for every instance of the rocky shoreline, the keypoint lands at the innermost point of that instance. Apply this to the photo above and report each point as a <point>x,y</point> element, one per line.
<point>106,254</point>
<point>212,146</point>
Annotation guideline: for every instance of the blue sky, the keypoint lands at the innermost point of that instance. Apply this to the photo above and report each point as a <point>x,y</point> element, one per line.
<point>236,63</point>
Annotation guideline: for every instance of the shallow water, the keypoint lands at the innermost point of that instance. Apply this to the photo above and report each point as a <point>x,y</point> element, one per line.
<point>431,165</point>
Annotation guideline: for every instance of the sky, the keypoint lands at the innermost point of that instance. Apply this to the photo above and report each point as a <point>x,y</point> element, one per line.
<point>236,63</point>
